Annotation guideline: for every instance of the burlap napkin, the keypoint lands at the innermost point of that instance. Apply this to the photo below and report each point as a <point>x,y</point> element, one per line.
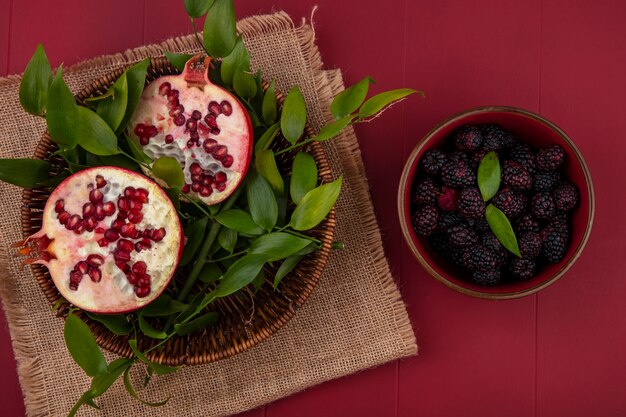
<point>354,320</point>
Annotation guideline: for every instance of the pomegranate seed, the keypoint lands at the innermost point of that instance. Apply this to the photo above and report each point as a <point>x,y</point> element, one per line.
<point>139,267</point>
<point>123,266</point>
<point>103,243</point>
<point>100,181</point>
<point>96,196</point>
<point>169,139</point>
<point>125,245</point>
<point>196,178</point>
<point>179,120</point>
<point>117,224</point>
<point>140,130</point>
<point>144,141</point>
<point>134,205</point>
<point>59,206</point>
<point>227,109</point>
<point>89,210</point>
<point>108,208</point>
<point>135,216</point>
<point>89,224</point>
<point>220,187</point>
<point>82,267</point>
<point>220,177</point>
<point>207,180</point>
<point>195,136</point>
<point>191,124</point>
<point>95,274</point>
<point>100,214</point>
<point>139,246</point>
<point>164,89</point>
<point>196,169</point>
<point>158,234</point>
<point>210,120</point>
<point>214,108</point>
<point>190,143</point>
<point>73,222</point>
<point>79,229</point>
<point>204,130</point>
<point>129,230</point>
<point>142,292</point>
<point>63,217</point>
<point>171,105</point>
<point>196,114</point>
<point>219,152</point>
<point>123,204</point>
<point>95,260</point>
<point>121,256</point>
<point>111,235</point>
<point>99,230</point>
<point>132,278</point>
<point>209,145</point>
<point>141,195</point>
<point>178,110</point>
<point>206,191</point>
<point>129,192</point>
<point>75,278</point>
<point>227,161</point>
<point>152,131</point>
<point>186,188</point>
<point>195,187</point>
<point>144,281</point>
<point>122,215</point>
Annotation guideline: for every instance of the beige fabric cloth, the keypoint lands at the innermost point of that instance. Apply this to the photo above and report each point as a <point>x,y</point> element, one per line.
<point>354,320</point>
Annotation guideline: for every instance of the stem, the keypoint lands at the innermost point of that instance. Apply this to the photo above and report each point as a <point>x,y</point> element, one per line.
<point>133,158</point>
<point>195,203</point>
<point>195,31</point>
<point>296,146</point>
<point>232,255</point>
<point>79,403</point>
<point>293,232</point>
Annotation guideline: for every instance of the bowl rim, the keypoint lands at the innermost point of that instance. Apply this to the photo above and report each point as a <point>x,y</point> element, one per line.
<point>404,223</point>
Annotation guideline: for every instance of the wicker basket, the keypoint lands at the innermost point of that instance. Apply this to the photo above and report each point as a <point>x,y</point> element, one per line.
<point>244,319</point>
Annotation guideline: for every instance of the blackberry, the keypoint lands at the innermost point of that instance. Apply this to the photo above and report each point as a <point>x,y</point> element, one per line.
<point>550,158</point>
<point>462,236</point>
<point>566,197</point>
<point>425,220</point>
<point>457,174</point>
<point>479,225</point>
<point>471,204</point>
<point>457,156</point>
<point>542,206</point>
<point>477,157</point>
<point>448,200</point>
<point>440,244</point>
<point>491,242</point>
<point>447,220</point>
<point>486,278</point>
<point>522,269</point>
<point>432,161</point>
<point>425,192</point>
<point>527,223</point>
<point>555,237</point>
<point>515,176</point>
<point>479,258</point>
<point>468,138</point>
<point>510,202</point>
<point>546,180</point>
<point>496,138</point>
<point>523,155</point>
<point>530,245</point>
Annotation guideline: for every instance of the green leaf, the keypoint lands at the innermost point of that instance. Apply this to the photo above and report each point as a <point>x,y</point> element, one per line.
<point>195,235</point>
<point>262,201</point>
<point>35,83</point>
<point>131,390</point>
<point>23,172</point>
<point>174,195</point>
<point>293,116</point>
<point>137,152</point>
<point>279,245</point>
<point>156,367</point>
<point>265,163</point>
<point>315,205</point>
<point>333,128</point>
<point>113,108</point>
<point>266,139</point>
<point>195,325</point>
<point>62,113</point>
<point>150,331</point>
<point>178,61</point>
<point>227,239</point>
<point>244,84</point>
<point>209,273</point>
<point>116,323</point>
<point>377,103</point>
<point>489,175</point>
<point>268,106</point>
<point>83,347</point>
<point>501,227</point>
<point>350,99</point>
<point>239,221</point>
<point>93,133</point>
<point>136,80</point>
<point>286,267</point>
<point>220,32</point>
<point>162,307</point>
<point>237,60</point>
<point>168,169</point>
<point>240,274</point>
<point>197,8</point>
<point>303,176</point>
<point>118,160</point>
<point>101,383</point>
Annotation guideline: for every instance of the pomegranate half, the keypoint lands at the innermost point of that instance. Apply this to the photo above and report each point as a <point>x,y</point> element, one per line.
<point>110,238</point>
<point>202,125</point>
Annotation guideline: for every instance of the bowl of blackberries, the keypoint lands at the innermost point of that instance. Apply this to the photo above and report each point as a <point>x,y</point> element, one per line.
<point>496,202</point>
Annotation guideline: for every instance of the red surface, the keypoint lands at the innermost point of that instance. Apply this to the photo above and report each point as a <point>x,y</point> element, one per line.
<point>559,353</point>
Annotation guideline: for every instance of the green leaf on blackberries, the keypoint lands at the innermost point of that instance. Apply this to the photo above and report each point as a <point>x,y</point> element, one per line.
<point>489,175</point>
<point>501,227</point>
<point>350,99</point>
<point>315,205</point>
<point>293,116</point>
<point>303,176</point>
<point>35,83</point>
<point>220,32</point>
<point>83,347</point>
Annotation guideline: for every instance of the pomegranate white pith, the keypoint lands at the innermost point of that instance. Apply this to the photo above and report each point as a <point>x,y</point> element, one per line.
<point>200,124</point>
<point>110,238</point>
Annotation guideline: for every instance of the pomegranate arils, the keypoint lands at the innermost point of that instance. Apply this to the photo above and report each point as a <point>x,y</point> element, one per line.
<point>108,208</point>
<point>96,196</point>
<point>196,115</point>
<point>227,161</point>
<point>219,152</point>
<point>142,291</point>
<point>122,256</point>
<point>196,169</point>
<point>59,206</point>
<point>164,89</point>
<point>140,130</point>
<point>63,217</point>
<point>179,120</point>
<point>186,188</point>
<point>95,260</point>
<point>73,222</point>
<point>95,274</point>
<point>143,281</point>
<point>135,216</point>
<point>143,244</point>
<point>111,235</point>
<point>210,120</point>
<point>169,139</point>
<point>214,108</point>
<point>128,230</point>
<point>103,243</point>
<point>191,124</point>
<point>123,204</point>
<point>125,245</point>
<point>139,267</point>
<point>220,187</point>
<point>89,210</point>
<point>100,181</point>
<point>82,267</point>
<point>220,177</point>
<point>158,234</point>
<point>117,224</point>
<point>227,109</point>
<point>195,187</point>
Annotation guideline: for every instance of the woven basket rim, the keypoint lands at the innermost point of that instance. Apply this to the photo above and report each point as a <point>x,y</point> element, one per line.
<point>201,347</point>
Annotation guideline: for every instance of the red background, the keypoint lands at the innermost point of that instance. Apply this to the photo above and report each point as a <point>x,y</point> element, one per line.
<point>558,353</point>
